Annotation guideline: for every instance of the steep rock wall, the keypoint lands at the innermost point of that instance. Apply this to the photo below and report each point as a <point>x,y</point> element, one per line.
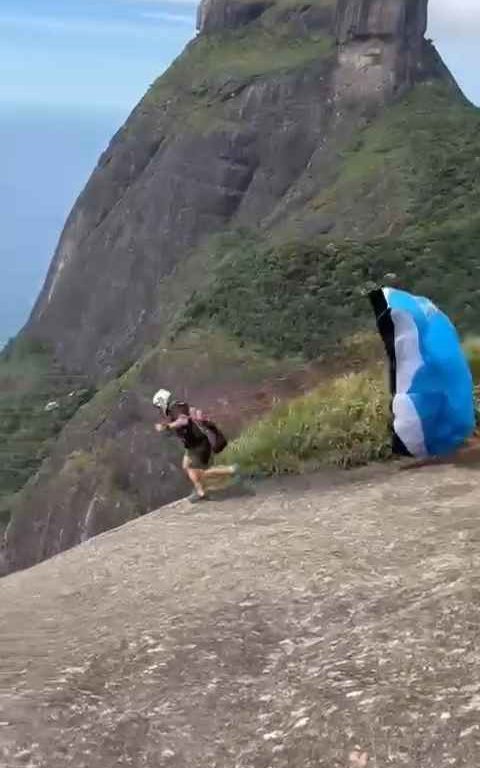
<point>247,128</point>
<point>224,144</point>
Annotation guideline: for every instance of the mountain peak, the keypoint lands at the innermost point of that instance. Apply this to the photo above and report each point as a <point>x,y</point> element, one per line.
<point>381,43</point>
<point>349,19</point>
<point>382,46</point>
<point>384,19</point>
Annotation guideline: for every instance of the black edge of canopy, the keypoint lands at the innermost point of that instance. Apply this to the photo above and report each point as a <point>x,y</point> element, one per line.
<point>386,329</point>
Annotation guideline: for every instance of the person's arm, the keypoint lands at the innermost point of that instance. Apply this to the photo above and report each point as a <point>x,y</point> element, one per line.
<point>180,422</point>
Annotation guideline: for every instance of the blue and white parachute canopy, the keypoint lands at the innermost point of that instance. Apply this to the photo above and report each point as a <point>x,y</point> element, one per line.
<point>431,383</point>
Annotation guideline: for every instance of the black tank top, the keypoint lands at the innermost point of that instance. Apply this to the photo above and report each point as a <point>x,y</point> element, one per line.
<point>192,436</point>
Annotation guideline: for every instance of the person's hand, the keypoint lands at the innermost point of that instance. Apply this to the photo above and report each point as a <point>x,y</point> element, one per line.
<point>161,427</point>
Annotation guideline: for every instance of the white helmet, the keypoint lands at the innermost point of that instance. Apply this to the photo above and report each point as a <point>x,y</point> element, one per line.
<point>162,399</point>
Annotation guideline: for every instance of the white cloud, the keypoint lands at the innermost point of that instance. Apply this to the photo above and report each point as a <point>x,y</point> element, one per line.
<point>84,26</point>
<point>452,19</point>
<point>171,18</point>
<point>163,3</point>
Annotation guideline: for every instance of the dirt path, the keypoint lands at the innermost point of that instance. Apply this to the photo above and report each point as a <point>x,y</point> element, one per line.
<point>279,631</point>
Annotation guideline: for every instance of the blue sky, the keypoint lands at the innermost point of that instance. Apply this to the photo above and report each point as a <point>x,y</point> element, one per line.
<point>98,54</point>
<point>72,70</point>
<point>455,29</point>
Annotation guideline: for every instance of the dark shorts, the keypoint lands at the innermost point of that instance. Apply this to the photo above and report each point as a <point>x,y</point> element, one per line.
<point>198,458</point>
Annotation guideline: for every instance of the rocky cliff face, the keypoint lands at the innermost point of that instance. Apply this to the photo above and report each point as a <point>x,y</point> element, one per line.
<point>243,130</point>
<point>382,50</point>
<point>293,121</point>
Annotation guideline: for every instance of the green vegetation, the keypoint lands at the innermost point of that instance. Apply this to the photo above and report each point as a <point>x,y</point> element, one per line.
<point>36,400</point>
<point>417,170</point>
<point>198,358</point>
<point>428,145</point>
<point>243,53</point>
<point>247,52</point>
<point>305,298</point>
<point>408,189</point>
<point>314,293</point>
<point>343,423</point>
<point>195,90</point>
<point>471,346</point>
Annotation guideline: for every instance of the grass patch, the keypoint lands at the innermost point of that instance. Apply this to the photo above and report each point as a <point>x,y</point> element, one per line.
<point>415,165</point>
<point>195,90</point>
<point>429,143</point>
<point>471,347</point>
<point>242,53</point>
<point>342,423</point>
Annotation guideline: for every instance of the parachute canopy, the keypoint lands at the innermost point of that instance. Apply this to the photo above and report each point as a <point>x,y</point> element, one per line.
<point>431,383</point>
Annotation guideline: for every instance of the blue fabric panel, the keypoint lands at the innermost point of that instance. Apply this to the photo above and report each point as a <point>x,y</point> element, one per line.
<point>441,389</point>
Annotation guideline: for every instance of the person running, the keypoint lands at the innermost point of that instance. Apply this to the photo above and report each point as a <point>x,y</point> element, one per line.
<point>194,431</point>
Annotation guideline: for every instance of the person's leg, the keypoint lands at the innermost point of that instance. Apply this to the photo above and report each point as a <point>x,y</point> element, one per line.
<point>200,461</point>
<point>221,471</point>
<point>195,476</point>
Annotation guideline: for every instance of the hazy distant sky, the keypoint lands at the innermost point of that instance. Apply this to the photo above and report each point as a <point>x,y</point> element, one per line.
<point>71,71</point>
<point>91,53</point>
<point>455,29</point>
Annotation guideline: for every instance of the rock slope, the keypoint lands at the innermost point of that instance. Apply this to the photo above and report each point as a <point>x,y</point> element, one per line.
<point>282,630</point>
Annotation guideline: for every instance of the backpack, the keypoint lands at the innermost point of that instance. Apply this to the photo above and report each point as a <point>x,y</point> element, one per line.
<point>216,438</point>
